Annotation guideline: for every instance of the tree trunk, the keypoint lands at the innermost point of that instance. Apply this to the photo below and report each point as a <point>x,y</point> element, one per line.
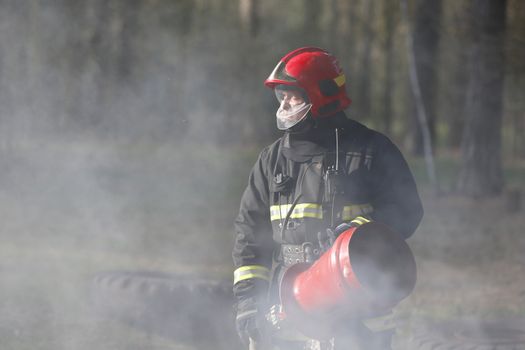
<point>426,41</point>
<point>346,28</point>
<point>363,91</point>
<point>481,172</point>
<point>312,14</point>
<point>390,24</point>
<point>332,31</point>
<point>455,119</point>
<point>128,31</point>
<point>249,14</point>
<point>421,113</point>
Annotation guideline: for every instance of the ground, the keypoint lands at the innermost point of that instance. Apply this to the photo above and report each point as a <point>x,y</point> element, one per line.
<point>470,262</point>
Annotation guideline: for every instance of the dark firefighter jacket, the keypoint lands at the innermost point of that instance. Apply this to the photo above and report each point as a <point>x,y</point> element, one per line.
<point>375,181</point>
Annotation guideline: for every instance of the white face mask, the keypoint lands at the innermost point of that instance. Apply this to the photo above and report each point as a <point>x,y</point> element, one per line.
<point>293,107</point>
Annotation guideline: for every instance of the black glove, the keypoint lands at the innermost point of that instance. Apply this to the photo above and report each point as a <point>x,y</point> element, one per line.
<point>342,228</point>
<point>249,320</point>
<point>276,317</point>
<point>327,238</point>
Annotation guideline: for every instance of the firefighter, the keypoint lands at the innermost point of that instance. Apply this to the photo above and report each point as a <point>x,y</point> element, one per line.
<point>325,170</point>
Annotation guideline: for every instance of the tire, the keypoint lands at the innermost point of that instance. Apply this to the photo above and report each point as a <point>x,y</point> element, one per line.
<point>184,308</point>
<point>471,335</point>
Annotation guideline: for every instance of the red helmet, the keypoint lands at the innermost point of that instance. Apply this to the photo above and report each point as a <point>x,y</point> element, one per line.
<point>317,72</point>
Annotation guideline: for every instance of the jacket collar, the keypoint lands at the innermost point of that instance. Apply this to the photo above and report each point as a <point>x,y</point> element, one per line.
<point>318,140</point>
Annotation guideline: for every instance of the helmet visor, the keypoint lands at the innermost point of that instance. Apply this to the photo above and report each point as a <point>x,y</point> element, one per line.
<point>293,106</point>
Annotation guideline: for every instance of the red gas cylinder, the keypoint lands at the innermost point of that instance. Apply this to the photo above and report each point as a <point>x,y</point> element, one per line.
<point>368,268</point>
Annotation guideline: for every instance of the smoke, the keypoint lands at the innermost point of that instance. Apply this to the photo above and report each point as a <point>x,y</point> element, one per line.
<point>119,150</point>
<point>109,163</point>
<point>469,268</point>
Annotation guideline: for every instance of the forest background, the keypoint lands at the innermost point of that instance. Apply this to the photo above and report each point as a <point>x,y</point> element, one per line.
<point>128,129</point>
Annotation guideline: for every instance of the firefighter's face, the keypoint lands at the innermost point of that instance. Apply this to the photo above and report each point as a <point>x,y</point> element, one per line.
<point>293,106</point>
<point>290,99</point>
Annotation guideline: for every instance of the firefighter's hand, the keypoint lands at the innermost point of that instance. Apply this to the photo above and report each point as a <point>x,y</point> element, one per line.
<point>343,227</point>
<point>276,316</point>
<point>356,222</point>
<point>248,321</point>
<point>247,328</point>
<point>326,239</point>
